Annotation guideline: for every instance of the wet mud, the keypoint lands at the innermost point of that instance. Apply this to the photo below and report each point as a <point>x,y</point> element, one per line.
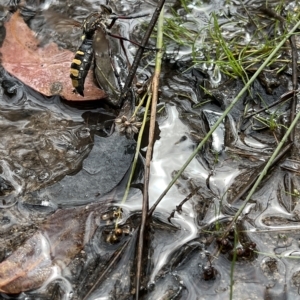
<point>63,175</point>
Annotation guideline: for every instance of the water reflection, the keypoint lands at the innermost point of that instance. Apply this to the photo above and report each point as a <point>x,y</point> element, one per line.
<point>49,158</point>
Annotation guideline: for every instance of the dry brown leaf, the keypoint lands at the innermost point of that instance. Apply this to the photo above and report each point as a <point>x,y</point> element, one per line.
<point>28,267</point>
<point>45,69</point>
<point>42,256</point>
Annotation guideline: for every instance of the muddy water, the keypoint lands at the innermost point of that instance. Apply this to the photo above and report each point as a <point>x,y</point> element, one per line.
<point>51,164</point>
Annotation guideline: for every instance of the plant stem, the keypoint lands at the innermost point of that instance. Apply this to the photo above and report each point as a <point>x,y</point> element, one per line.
<point>226,112</point>
<point>155,85</point>
<point>267,166</point>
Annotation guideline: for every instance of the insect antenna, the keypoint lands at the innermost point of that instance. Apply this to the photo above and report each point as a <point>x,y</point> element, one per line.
<point>131,41</point>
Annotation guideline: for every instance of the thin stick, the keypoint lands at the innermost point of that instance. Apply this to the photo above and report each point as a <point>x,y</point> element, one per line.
<point>276,156</point>
<point>141,49</point>
<point>137,151</point>
<point>110,265</point>
<point>155,85</point>
<point>295,83</point>
<point>292,40</point>
<point>253,178</point>
<point>286,96</point>
<point>267,166</point>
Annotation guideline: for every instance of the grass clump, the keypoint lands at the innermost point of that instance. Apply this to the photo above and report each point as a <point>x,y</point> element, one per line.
<point>217,43</point>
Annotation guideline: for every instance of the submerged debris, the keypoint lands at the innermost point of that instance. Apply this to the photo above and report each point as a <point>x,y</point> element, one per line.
<point>128,126</point>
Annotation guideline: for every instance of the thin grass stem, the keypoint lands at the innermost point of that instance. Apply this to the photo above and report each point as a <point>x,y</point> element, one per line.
<point>226,112</point>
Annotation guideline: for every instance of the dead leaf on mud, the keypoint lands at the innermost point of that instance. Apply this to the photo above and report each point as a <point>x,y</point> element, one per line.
<point>45,69</point>
<point>28,267</point>
<point>41,257</point>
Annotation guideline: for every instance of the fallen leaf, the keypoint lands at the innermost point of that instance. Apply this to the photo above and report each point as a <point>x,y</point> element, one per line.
<point>45,69</point>
<point>28,267</point>
<point>42,257</point>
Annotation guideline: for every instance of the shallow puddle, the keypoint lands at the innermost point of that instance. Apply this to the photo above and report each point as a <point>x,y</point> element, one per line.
<point>63,175</point>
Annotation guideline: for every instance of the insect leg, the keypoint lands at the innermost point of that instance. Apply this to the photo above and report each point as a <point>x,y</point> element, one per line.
<point>114,18</point>
<point>132,42</point>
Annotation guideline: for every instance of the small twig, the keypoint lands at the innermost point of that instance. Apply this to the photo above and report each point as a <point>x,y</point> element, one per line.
<point>277,154</point>
<point>137,151</point>
<point>253,179</point>
<point>292,41</point>
<point>179,206</point>
<point>289,95</point>
<point>295,84</point>
<point>271,13</point>
<point>155,85</point>
<point>104,274</point>
<point>286,96</point>
<point>141,49</point>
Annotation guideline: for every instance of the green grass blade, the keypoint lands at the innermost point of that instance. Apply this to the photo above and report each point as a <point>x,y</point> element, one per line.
<point>226,112</point>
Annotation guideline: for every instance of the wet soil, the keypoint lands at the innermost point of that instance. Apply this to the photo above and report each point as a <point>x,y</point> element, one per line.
<point>63,176</point>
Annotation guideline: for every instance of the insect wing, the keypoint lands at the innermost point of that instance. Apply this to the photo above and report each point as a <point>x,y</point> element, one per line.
<point>105,48</point>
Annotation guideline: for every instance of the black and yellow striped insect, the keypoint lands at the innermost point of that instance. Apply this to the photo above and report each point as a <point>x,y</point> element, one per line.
<point>84,55</point>
<point>106,66</point>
